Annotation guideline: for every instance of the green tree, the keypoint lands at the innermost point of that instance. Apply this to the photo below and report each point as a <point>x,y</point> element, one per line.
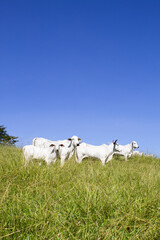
<point>5,138</point>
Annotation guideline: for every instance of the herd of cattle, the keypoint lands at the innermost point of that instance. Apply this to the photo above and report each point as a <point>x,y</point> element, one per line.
<point>50,151</point>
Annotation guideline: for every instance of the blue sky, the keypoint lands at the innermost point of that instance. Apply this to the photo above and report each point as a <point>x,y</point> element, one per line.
<point>86,68</point>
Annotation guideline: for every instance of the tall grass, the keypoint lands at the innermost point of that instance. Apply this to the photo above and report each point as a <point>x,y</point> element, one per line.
<point>86,201</point>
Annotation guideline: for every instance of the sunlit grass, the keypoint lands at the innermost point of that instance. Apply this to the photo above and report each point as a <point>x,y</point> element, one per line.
<point>86,201</point>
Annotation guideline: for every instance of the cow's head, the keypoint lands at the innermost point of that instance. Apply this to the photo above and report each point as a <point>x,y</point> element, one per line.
<point>134,145</point>
<point>75,141</point>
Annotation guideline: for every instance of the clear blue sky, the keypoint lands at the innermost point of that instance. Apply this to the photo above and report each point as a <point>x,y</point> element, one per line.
<point>86,68</point>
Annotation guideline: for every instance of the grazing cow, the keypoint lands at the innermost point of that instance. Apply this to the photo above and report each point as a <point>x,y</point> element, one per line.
<point>149,155</point>
<point>103,152</point>
<point>49,154</point>
<point>137,153</point>
<point>66,147</point>
<point>126,150</point>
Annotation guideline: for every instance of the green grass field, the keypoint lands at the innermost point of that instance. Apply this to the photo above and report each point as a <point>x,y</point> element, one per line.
<point>86,201</point>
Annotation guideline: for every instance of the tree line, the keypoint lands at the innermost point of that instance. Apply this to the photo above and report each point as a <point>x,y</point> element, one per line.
<point>5,138</point>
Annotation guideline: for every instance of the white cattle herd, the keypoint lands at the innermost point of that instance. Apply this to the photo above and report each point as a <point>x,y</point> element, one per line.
<point>50,151</point>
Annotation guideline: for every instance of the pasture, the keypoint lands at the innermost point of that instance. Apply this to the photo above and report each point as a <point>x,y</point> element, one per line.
<point>120,200</point>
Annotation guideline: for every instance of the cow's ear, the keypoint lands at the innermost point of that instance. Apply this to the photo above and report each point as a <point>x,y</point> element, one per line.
<point>70,139</point>
<point>79,139</point>
<point>61,145</point>
<point>52,145</point>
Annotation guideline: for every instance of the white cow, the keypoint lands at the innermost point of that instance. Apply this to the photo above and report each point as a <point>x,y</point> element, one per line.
<point>137,153</point>
<point>66,147</point>
<point>41,142</point>
<point>103,152</point>
<point>49,154</point>
<point>149,155</point>
<point>126,150</point>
